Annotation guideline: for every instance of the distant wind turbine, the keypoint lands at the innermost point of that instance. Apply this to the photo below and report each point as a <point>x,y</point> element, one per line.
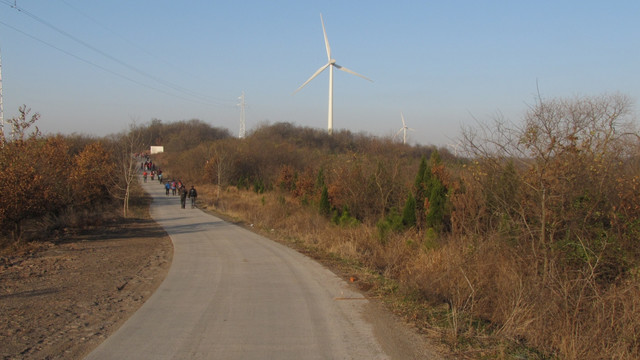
<point>242,104</point>
<point>330,64</point>
<point>403,129</point>
<point>455,148</point>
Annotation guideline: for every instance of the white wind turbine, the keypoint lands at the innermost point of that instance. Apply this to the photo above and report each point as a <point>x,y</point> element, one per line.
<point>330,64</point>
<point>455,148</point>
<point>403,129</point>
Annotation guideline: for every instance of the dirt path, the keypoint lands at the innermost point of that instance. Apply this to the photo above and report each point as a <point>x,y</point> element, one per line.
<point>60,301</point>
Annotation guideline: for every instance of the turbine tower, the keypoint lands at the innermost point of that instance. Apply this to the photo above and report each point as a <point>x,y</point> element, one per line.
<point>404,129</point>
<point>330,64</point>
<point>242,105</point>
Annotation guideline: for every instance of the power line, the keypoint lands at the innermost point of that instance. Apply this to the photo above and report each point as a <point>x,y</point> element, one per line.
<point>124,38</point>
<point>98,66</point>
<point>89,46</point>
<point>202,99</point>
<point>142,49</point>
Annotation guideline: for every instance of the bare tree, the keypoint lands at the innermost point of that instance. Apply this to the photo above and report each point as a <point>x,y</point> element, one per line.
<point>125,146</point>
<point>219,163</point>
<point>565,152</point>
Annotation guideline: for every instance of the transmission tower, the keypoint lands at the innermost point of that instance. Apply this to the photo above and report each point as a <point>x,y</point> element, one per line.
<point>242,106</point>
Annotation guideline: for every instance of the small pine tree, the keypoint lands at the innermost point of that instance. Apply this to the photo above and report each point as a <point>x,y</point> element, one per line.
<point>420,176</point>
<point>344,218</point>
<point>325,205</point>
<point>418,184</point>
<point>437,203</point>
<point>320,179</point>
<point>409,212</point>
<point>258,187</point>
<point>437,195</point>
<point>422,190</point>
<point>430,196</point>
<point>435,158</point>
<point>391,222</point>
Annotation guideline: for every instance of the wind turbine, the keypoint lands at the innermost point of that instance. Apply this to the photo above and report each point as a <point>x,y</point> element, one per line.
<point>330,64</point>
<point>455,148</point>
<point>404,129</point>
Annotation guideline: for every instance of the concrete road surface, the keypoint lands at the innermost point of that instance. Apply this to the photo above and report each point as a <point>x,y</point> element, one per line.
<point>232,294</point>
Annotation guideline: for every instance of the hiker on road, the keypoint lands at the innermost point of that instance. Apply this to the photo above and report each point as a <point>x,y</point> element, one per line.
<point>183,197</point>
<point>193,194</point>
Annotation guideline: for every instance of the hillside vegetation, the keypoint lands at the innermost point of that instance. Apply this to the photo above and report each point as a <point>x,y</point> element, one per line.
<point>531,239</point>
<point>526,246</point>
<point>50,183</point>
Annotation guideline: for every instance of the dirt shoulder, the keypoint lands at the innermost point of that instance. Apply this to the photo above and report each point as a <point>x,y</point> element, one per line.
<point>60,301</point>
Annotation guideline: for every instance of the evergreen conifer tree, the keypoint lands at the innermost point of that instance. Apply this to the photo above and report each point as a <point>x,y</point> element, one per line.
<point>437,202</point>
<point>420,192</point>
<point>409,212</point>
<point>320,179</point>
<point>437,195</point>
<point>325,205</point>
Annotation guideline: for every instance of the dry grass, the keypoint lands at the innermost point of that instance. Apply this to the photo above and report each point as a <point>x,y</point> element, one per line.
<point>565,315</point>
<point>483,297</point>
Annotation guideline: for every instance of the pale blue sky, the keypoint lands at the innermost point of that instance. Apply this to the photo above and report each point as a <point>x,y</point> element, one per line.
<point>442,63</point>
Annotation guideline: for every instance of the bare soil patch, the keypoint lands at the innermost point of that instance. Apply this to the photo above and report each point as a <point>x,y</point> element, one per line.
<point>61,300</point>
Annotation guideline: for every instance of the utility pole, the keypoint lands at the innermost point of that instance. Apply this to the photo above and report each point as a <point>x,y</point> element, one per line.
<point>242,105</point>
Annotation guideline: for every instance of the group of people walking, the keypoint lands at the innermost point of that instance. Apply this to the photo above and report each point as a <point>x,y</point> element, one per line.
<point>153,174</point>
<point>149,169</point>
<point>178,188</point>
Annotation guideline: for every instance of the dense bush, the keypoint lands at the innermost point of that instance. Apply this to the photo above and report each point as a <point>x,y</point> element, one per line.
<point>44,177</point>
<point>546,199</point>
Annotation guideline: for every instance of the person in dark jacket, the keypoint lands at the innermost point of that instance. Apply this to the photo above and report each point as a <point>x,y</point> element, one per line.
<point>193,194</point>
<point>183,197</point>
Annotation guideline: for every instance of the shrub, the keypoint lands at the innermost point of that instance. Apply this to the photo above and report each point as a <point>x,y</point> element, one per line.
<point>325,205</point>
<point>390,223</point>
<point>409,212</point>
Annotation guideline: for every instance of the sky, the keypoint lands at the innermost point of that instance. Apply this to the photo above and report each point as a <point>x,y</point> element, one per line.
<point>95,67</point>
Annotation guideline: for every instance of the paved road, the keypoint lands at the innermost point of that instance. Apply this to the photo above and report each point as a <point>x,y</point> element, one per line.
<point>231,294</point>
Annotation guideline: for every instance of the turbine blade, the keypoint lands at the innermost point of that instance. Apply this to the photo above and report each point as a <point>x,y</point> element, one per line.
<point>398,133</point>
<point>402,117</point>
<point>312,77</point>
<point>326,40</point>
<point>351,72</point>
